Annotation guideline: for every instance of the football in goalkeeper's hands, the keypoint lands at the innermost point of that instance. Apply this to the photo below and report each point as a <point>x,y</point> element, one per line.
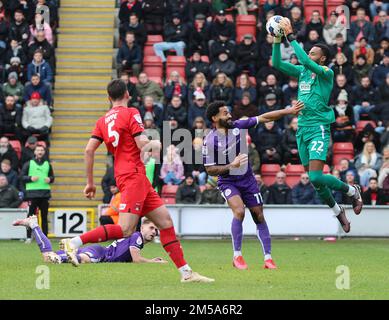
<point>273,26</point>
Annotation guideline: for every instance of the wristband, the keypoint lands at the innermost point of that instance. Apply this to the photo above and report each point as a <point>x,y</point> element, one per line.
<point>291,37</point>
<point>277,39</point>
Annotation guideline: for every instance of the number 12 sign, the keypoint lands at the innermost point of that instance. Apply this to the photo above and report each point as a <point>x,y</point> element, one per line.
<point>68,223</point>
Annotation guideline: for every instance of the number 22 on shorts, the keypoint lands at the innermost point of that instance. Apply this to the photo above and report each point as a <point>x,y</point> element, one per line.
<point>317,146</point>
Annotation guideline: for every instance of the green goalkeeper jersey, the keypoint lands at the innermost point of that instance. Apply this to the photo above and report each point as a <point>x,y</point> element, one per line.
<point>315,84</point>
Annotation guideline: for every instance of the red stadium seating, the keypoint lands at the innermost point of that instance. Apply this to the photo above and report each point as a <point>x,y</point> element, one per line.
<point>308,9</point>
<point>353,18</point>
<point>169,200</point>
<point>205,59</point>
<point>326,169</point>
<point>268,172</point>
<point>148,48</point>
<point>362,124</point>
<point>17,147</point>
<point>293,174</point>
<point>169,191</point>
<point>332,5</point>
<point>153,67</point>
<point>245,24</point>
<point>158,80</point>
<point>175,63</point>
<point>342,150</point>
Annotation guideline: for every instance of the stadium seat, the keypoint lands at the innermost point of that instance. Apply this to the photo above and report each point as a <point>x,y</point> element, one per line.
<point>157,80</point>
<point>148,49</point>
<point>342,150</point>
<point>17,147</point>
<point>293,173</point>
<point>153,67</point>
<point>326,169</point>
<point>169,191</point>
<point>169,200</point>
<point>268,172</point>
<point>308,9</point>
<point>362,124</point>
<point>175,63</point>
<point>205,59</point>
<point>245,24</point>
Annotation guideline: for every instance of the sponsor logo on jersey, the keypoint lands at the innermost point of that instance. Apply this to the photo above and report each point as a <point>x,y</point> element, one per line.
<point>305,87</point>
<point>139,241</point>
<point>138,118</point>
<point>137,206</point>
<point>227,192</point>
<point>235,131</point>
<point>122,206</point>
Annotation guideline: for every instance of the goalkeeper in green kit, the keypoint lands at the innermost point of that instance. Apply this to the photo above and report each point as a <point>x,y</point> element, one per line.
<point>313,134</point>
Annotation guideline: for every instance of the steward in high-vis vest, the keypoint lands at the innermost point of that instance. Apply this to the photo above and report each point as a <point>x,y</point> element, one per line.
<point>37,175</point>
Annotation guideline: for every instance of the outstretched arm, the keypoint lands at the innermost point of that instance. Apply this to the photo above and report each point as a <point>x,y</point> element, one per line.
<point>275,115</point>
<point>285,67</point>
<point>137,258</point>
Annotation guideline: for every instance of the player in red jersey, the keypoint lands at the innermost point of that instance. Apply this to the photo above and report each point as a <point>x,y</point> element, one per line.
<point>121,130</point>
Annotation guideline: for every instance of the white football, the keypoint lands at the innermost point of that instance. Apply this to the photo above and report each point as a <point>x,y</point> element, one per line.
<point>273,26</point>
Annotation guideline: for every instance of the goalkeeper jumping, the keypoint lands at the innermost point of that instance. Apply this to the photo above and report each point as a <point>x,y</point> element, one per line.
<point>313,134</point>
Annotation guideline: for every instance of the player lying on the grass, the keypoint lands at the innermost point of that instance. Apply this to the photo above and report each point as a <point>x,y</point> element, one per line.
<point>313,134</point>
<point>225,156</point>
<point>122,131</point>
<point>123,250</point>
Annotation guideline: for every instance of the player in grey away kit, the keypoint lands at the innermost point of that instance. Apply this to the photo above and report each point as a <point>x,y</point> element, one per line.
<point>225,156</point>
<point>123,250</point>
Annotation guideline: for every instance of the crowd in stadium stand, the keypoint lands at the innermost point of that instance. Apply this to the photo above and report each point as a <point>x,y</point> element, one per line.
<point>27,67</point>
<point>177,56</point>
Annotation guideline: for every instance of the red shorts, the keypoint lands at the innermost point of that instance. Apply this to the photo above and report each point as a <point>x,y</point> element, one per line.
<point>137,194</point>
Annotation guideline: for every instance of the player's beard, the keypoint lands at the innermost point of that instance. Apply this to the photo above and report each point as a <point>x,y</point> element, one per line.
<point>226,123</point>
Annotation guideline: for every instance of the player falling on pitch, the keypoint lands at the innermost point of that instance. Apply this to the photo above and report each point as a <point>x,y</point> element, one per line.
<point>121,129</point>
<point>123,250</point>
<point>313,134</point>
<point>224,156</point>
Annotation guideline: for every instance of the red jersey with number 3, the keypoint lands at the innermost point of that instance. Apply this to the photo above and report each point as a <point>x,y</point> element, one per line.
<point>118,129</point>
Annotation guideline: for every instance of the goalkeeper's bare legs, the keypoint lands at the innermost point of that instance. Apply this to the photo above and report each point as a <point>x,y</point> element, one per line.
<point>325,183</point>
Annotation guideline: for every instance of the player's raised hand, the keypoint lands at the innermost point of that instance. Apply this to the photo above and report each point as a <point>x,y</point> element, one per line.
<point>90,191</point>
<point>286,25</point>
<point>297,108</point>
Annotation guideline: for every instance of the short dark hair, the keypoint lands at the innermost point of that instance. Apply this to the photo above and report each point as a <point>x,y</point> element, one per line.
<point>41,146</point>
<point>116,89</point>
<point>213,109</point>
<point>373,178</point>
<point>324,49</point>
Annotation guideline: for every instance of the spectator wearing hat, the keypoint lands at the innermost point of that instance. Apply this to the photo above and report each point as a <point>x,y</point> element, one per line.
<point>28,150</point>
<point>382,26</point>
<point>36,85</point>
<point>381,71</point>
<point>18,68</point>
<point>222,44</point>
<point>14,88</point>
<point>365,97</point>
<point>360,28</point>
<point>41,43</point>
<point>247,55</point>
<point>361,69</point>
<point>175,34</point>
<point>133,25</point>
<point>221,25</point>
<point>128,7</point>
<point>41,67</point>
<point>188,192</point>
<point>211,194</point>
<point>37,175</point>
<point>12,175</point>
<point>199,107</point>
<point>19,29</point>
<point>244,85</point>
<point>36,117</point>
<point>150,109</point>
<point>129,56</point>
<point>198,36</point>
<point>11,118</point>
<point>270,104</point>
<point>343,127</point>
<point>146,87</point>
<point>175,86</point>
<point>245,108</point>
<point>332,28</point>
<point>223,64</point>
<point>339,85</point>
<point>9,196</point>
<point>7,152</point>
<point>200,7</point>
<point>15,50</point>
<point>153,12</point>
<point>194,66</point>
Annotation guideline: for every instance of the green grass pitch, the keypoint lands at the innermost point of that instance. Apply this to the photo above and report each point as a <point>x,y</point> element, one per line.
<point>307,270</point>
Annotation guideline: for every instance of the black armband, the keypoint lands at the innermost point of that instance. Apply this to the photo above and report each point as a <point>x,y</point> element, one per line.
<point>291,37</point>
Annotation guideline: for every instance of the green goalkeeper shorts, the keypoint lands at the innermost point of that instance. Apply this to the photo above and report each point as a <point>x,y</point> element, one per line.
<point>313,142</point>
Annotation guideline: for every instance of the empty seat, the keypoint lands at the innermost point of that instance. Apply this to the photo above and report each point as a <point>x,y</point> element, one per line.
<point>268,172</point>
<point>308,9</point>
<point>293,174</point>
<point>175,63</point>
<point>169,191</point>
<point>153,67</point>
<point>245,24</point>
<point>17,147</point>
<point>342,150</point>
